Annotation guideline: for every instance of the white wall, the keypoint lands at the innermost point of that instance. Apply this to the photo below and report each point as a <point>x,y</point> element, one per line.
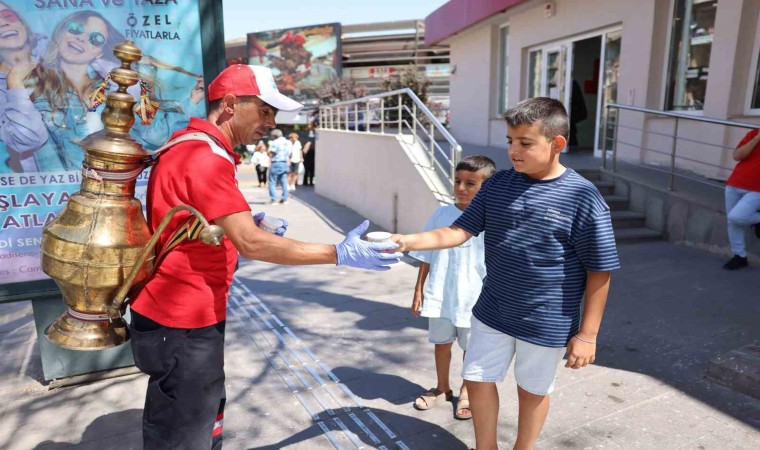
<point>365,172</point>
<point>470,86</point>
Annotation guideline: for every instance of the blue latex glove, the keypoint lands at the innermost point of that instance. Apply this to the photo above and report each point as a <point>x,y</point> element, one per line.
<point>355,252</point>
<point>280,231</point>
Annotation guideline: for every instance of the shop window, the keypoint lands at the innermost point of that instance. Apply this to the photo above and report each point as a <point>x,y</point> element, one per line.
<point>691,44</point>
<point>503,69</point>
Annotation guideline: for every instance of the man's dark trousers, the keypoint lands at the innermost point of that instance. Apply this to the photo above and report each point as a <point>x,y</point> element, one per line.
<point>184,404</point>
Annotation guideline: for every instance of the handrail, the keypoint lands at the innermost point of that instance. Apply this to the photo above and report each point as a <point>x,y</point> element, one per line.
<point>674,136</point>
<point>341,115</point>
<point>729,123</point>
<point>414,98</point>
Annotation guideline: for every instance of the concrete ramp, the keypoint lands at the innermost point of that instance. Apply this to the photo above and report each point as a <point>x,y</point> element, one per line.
<point>384,177</point>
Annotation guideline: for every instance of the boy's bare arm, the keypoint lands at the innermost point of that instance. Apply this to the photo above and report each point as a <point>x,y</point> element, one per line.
<point>419,288</point>
<point>742,152</point>
<point>440,238</point>
<point>581,350</point>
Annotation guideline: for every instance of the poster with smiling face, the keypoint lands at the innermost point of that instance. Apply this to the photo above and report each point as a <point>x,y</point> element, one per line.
<point>55,57</point>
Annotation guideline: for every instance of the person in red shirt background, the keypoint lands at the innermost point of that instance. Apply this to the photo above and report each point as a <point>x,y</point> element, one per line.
<point>743,198</point>
<point>178,317</point>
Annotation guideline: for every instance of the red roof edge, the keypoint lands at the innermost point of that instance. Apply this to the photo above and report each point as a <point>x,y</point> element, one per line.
<point>457,15</point>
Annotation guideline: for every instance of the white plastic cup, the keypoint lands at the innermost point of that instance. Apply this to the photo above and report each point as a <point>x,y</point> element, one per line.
<point>378,236</point>
<point>270,224</point>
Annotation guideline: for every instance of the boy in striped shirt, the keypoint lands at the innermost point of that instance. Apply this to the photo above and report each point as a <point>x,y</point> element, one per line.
<point>548,244</point>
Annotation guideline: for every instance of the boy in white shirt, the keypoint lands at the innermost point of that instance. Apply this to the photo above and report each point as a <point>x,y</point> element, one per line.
<point>449,283</point>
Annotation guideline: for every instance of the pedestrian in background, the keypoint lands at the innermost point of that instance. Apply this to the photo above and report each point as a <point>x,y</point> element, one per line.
<point>260,159</point>
<point>743,198</point>
<point>296,160</point>
<point>279,152</point>
<point>309,153</point>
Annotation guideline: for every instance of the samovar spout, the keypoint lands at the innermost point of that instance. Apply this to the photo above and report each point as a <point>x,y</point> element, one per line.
<point>196,227</point>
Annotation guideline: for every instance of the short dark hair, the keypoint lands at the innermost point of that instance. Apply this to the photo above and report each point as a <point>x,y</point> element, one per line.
<point>475,163</point>
<point>550,112</point>
<point>213,105</point>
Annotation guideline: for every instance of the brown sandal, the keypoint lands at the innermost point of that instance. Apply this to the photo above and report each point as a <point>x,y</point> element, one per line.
<point>431,398</point>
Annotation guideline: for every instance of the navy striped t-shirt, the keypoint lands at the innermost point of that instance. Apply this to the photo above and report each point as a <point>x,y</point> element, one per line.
<point>541,236</point>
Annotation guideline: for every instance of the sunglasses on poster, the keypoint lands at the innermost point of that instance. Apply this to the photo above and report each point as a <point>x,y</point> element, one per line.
<point>76,28</point>
<point>9,16</point>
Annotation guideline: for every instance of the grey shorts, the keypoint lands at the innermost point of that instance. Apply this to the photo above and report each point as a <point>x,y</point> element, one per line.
<point>491,353</point>
<point>442,331</point>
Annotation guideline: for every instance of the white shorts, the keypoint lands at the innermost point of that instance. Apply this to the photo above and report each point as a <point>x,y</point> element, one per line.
<point>491,353</point>
<point>442,331</point>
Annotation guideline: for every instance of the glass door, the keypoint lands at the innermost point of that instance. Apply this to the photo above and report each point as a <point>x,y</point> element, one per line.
<point>610,70</point>
<point>555,73</point>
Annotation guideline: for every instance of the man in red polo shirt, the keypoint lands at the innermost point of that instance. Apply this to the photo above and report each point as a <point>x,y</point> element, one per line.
<point>178,318</point>
<point>743,198</point>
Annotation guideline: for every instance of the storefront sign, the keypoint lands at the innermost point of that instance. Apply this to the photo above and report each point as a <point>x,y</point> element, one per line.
<point>437,70</point>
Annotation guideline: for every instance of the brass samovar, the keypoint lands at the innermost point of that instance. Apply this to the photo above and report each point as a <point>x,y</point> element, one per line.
<point>100,246</point>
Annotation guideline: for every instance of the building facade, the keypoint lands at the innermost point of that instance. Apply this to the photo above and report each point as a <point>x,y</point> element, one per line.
<point>694,57</point>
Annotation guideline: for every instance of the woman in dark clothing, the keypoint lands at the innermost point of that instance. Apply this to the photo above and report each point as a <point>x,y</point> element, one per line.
<point>308,158</point>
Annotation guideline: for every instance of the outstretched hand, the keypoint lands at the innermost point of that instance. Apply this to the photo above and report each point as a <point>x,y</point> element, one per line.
<point>355,252</point>
<point>399,240</point>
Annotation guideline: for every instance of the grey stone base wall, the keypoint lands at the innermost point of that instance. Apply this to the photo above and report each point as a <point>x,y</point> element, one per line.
<point>681,217</point>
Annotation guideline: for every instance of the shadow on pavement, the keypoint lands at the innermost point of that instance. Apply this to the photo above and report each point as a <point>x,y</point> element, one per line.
<point>434,436</point>
<point>371,385</point>
<point>115,425</point>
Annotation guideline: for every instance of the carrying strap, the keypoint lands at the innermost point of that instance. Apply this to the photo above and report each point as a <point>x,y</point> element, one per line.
<point>101,175</point>
<point>195,136</point>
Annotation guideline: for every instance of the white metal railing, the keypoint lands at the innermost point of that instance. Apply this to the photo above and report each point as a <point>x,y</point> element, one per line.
<point>611,140</point>
<point>371,114</point>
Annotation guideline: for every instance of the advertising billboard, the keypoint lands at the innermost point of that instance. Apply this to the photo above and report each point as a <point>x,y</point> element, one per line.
<point>55,57</point>
<point>302,58</point>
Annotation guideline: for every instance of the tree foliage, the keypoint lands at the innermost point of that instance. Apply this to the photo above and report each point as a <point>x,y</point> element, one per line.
<point>339,90</point>
<point>411,77</point>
